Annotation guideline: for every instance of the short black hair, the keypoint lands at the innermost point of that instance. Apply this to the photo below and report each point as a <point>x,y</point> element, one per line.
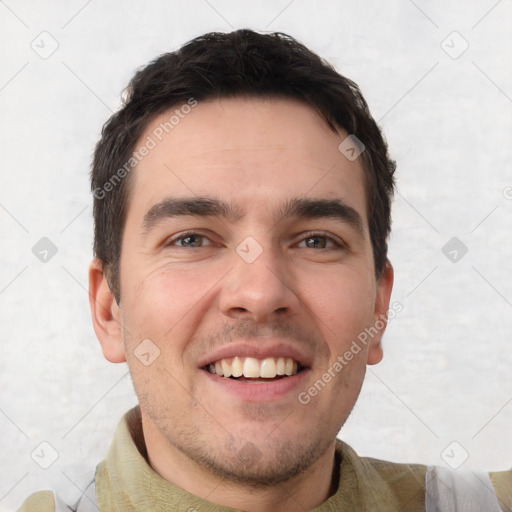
<point>223,65</point>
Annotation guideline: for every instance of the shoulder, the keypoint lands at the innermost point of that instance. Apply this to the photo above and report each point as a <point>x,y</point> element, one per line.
<point>42,501</point>
<point>49,501</point>
<point>502,483</point>
<point>406,482</point>
<point>417,484</point>
<point>393,485</point>
<point>394,473</point>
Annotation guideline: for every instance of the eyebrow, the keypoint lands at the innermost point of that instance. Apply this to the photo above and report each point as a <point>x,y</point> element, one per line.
<point>301,207</point>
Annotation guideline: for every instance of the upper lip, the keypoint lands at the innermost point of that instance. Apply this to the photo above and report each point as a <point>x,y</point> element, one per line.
<point>258,350</point>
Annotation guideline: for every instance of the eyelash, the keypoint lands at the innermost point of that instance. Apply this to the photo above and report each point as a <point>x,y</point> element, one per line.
<point>312,234</point>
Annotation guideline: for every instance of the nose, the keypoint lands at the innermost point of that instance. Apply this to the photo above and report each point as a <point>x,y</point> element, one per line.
<point>261,290</point>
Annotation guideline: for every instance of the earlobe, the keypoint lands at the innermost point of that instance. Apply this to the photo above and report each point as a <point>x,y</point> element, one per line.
<point>105,314</point>
<point>384,288</point>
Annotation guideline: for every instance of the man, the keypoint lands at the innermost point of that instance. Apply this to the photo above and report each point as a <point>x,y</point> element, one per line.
<point>242,209</point>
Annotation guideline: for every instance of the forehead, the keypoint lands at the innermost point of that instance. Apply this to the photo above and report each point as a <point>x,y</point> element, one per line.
<point>251,151</point>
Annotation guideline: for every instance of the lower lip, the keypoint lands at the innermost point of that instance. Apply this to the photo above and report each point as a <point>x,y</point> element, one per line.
<point>258,391</point>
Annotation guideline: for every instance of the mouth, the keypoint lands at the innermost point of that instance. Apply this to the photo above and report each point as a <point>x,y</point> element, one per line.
<point>253,370</point>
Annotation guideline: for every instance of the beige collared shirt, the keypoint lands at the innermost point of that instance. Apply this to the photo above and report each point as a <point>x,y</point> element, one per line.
<point>125,482</point>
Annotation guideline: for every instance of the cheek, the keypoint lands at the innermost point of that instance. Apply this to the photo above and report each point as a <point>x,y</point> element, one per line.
<point>166,306</point>
<point>343,301</point>
<point>162,299</point>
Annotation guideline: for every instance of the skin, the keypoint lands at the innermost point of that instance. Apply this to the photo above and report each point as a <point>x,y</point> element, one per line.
<point>251,454</point>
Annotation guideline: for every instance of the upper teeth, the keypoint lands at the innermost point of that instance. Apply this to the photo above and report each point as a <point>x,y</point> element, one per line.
<point>254,368</point>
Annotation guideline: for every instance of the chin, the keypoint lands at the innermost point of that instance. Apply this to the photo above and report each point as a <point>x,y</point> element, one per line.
<point>257,464</point>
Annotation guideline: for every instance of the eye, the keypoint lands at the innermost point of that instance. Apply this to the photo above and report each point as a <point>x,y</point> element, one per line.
<point>195,240</point>
<point>188,240</point>
<point>320,241</point>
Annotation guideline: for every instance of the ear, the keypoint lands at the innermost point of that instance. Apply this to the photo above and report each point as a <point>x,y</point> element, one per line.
<point>380,315</point>
<point>106,317</point>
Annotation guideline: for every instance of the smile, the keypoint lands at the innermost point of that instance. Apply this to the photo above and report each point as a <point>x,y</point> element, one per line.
<point>251,368</point>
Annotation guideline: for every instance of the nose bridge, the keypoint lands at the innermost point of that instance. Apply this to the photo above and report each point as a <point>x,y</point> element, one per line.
<point>259,284</point>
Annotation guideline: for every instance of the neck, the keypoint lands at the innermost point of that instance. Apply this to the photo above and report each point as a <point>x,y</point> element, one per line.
<point>303,492</point>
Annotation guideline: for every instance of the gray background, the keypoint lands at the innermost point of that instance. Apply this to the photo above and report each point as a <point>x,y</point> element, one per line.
<point>444,389</point>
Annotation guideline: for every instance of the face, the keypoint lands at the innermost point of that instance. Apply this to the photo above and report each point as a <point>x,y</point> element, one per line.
<point>246,253</point>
